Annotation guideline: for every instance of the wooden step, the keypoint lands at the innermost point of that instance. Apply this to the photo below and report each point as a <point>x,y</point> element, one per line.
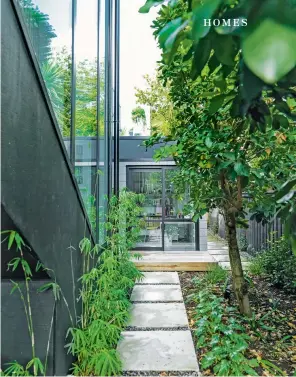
<point>199,261</point>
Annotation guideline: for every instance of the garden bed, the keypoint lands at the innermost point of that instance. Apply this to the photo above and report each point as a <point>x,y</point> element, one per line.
<point>272,330</point>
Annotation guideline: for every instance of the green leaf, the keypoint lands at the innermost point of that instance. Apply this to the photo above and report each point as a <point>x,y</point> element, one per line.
<point>286,197</point>
<point>201,57</point>
<point>251,84</point>
<point>11,238</point>
<point>269,50</point>
<point>241,169</point>
<point>286,188</point>
<point>267,363</point>
<point>208,142</point>
<point>19,241</point>
<point>168,56</point>
<point>213,63</point>
<point>201,12</point>
<point>229,155</point>
<point>216,103</point>
<point>167,36</point>
<point>149,4</point>
<point>279,121</point>
<point>225,49</point>
<point>250,371</point>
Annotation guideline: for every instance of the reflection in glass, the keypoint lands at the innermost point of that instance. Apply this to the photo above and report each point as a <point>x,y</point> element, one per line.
<point>179,236</point>
<point>86,179</point>
<point>49,26</point>
<point>149,183</point>
<point>174,204</point>
<point>86,103</point>
<point>151,235</point>
<point>102,179</point>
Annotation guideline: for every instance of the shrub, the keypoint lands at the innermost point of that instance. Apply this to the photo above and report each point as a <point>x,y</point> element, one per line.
<point>105,291</point>
<point>278,263</point>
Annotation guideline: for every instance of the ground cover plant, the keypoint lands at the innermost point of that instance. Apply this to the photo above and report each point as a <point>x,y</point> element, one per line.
<point>229,344</point>
<point>233,128</point>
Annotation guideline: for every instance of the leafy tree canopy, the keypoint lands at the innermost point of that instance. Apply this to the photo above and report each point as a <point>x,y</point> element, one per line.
<point>156,96</point>
<point>234,132</point>
<point>139,115</point>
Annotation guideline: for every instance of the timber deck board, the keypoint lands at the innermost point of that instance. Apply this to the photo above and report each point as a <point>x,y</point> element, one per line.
<point>199,261</point>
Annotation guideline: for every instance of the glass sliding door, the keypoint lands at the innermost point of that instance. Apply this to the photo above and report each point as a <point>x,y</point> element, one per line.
<point>179,230</point>
<point>149,183</point>
<point>165,227</point>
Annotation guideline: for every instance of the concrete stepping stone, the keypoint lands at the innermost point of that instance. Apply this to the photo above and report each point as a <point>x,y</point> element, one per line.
<point>156,293</point>
<point>158,315</point>
<point>160,278</point>
<point>217,247</point>
<point>218,252</point>
<point>222,258</point>
<point>157,351</point>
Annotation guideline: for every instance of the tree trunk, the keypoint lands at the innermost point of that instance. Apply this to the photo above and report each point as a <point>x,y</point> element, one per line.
<point>239,283</point>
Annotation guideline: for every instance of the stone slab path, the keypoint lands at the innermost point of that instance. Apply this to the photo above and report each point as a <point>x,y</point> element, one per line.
<point>158,338</point>
<point>219,251</point>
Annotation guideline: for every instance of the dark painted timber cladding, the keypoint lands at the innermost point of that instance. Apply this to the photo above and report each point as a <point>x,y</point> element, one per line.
<point>38,190</point>
<point>16,344</point>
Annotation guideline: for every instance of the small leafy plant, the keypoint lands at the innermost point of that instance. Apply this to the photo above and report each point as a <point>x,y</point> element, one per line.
<point>108,278</point>
<point>278,263</point>
<point>35,366</point>
<point>222,337</point>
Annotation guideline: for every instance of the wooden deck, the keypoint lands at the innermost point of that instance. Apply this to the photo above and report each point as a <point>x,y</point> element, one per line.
<point>176,261</point>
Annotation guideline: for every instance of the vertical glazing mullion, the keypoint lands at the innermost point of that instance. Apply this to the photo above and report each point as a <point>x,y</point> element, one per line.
<point>111,121</point>
<point>116,96</point>
<point>197,235</point>
<point>163,184</point>
<point>73,87</point>
<point>98,123</point>
<point>108,96</point>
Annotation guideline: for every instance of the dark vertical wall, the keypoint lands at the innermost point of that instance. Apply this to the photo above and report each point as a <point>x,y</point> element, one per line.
<point>39,193</point>
<point>16,344</point>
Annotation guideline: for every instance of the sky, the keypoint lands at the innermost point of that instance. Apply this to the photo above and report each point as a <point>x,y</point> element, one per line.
<point>138,50</point>
<point>138,55</point>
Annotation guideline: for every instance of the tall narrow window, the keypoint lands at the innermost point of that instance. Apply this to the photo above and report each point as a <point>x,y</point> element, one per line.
<point>85,119</point>
<point>49,23</point>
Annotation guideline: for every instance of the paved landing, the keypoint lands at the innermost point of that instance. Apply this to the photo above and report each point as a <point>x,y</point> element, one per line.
<point>156,293</point>
<point>158,315</point>
<point>157,351</point>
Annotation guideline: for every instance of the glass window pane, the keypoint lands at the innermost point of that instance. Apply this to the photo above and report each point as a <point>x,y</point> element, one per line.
<point>86,104</point>
<point>151,234</point>
<point>148,183</point>
<point>49,24</point>
<point>139,54</point>
<point>179,236</point>
<point>174,204</point>
<point>102,179</point>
